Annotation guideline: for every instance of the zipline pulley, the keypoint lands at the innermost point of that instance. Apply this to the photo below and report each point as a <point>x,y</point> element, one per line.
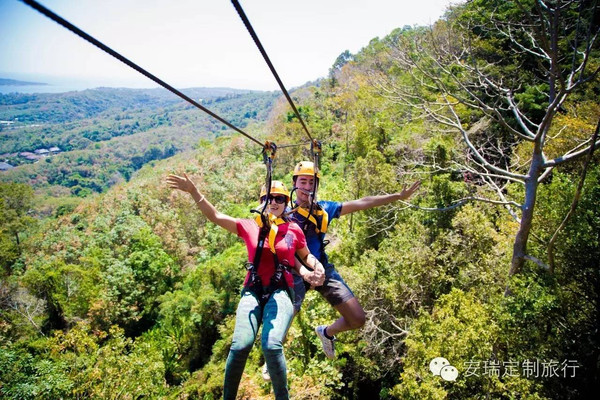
<point>269,151</point>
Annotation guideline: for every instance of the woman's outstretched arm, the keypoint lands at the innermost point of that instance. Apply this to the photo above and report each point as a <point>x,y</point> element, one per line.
<point>184,184</point>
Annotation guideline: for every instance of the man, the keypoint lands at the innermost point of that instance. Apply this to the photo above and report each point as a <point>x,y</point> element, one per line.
<point>334,289</point>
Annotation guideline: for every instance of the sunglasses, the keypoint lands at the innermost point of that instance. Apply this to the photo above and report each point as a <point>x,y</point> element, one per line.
<point>278,199</point>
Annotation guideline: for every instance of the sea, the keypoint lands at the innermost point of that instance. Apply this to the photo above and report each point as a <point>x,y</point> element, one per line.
<point>6,89</point>
<point>62,85</point>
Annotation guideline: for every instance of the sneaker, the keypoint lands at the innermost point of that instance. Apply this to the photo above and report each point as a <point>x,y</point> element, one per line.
<point>328,345</point>
<point>265,373</point>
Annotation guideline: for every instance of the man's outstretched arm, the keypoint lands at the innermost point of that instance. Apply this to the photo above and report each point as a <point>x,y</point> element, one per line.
<point>375,201</point>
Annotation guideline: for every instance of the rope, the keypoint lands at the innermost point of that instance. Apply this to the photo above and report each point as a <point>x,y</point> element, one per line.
<point>35,5</point>
<point>240,11</point>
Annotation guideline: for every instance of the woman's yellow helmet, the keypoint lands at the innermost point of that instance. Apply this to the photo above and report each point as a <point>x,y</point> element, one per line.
<point>277,187</point>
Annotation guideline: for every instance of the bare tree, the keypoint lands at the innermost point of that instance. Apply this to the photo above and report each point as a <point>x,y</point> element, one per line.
<point>24,306</point>
<point>454,80</point>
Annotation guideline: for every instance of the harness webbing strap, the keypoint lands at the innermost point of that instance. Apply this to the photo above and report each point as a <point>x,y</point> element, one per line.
<point>275,222</point>
<point>278,278</point>
<point>262,234</point>
<point>311,218</point>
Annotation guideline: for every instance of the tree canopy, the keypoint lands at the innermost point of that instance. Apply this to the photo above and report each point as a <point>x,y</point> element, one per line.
<point>131,292</point>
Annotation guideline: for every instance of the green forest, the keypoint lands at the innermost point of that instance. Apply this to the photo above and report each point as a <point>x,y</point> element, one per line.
<point>113,286</point>
<point>103,136</point>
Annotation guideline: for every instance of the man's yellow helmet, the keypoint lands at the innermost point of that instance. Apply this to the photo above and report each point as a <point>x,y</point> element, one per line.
<point>277,187</point>
<point>305,168</point>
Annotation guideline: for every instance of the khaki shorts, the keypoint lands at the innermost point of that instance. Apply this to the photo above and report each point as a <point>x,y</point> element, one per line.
<point>334,289</point>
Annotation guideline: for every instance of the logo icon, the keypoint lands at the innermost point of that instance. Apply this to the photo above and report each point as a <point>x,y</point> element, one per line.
<point>440,366</point>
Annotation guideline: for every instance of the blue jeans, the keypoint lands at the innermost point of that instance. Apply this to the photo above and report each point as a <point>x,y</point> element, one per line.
<point>276,315</point>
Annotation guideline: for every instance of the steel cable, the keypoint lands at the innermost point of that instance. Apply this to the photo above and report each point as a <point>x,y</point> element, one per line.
<point>35,5</point>
<point>242,15</point>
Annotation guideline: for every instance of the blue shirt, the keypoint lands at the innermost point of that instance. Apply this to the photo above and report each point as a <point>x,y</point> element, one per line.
<point>314,239</point>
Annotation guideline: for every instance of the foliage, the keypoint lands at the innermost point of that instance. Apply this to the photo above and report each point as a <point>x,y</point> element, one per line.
<point>122,289</point>
<point>465,332</point>
<point>15,205</point>
<point>106,135</point>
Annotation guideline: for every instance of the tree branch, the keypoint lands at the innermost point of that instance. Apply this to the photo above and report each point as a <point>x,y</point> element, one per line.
<point>461,202</point>
<point>571,157</point>
<point>537,261</point>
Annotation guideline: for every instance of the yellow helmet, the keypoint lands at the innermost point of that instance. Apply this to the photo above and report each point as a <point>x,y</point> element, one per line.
<point>277,187</point>
<point>305,168</point>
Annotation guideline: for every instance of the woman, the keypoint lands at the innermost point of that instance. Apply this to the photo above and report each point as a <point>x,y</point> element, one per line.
<point>268,288</point>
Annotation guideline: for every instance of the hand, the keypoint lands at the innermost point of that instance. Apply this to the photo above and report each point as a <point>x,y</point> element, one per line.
<point>312,277</point>
<point>406,194</point>
<point>182,183</point>
<point>312,281</point>
<point>318,275</point>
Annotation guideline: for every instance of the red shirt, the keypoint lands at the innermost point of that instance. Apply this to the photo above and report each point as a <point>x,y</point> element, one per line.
<point>289,239</point>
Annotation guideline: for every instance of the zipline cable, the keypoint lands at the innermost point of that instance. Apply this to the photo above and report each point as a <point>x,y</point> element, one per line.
<point>240,11</point>
<point>35,5</point>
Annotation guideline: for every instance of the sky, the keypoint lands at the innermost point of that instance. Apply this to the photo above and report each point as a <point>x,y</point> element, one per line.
<point>196,43</point>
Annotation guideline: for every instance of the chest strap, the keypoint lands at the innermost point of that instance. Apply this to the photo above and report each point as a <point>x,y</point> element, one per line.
<point>275,222</point>
<point>319,228</point>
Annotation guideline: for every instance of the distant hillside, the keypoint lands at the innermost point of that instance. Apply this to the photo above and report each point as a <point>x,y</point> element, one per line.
<point>106,134</point>
<point>65,107</point>
<point>12,82</point>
